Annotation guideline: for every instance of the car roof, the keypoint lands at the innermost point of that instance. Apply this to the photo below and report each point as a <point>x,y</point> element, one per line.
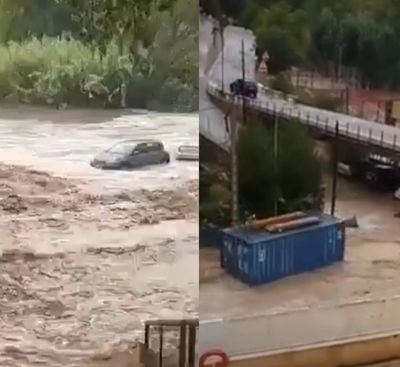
<point>188,147</point>
<point>139,141</point>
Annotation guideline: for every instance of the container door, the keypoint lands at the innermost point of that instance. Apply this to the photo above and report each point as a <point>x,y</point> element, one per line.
<point>287,259</point>
<point>227,252</point>
<point>241,263</point>
<point>338,240</point>
<point>249,264</point>
<point>341,241</point>
<point>309,250</point>
<point>334,246</point>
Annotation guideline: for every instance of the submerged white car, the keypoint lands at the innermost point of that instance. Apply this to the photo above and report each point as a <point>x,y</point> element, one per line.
<point>187,153</point>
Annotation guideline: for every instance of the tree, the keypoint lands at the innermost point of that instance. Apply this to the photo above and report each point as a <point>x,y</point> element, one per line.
<point>257,181</point>
<point>283,32</point>
<point>233,8</point>
<point>21,19</point>
<point>281,47</point>
<point>297,177</point>
<point>125,20</point>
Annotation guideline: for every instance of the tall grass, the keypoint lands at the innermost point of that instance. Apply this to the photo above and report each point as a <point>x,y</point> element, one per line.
<point>61,70</point>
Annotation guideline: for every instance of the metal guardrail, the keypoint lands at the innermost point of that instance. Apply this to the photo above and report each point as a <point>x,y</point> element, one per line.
<point>374,137</point>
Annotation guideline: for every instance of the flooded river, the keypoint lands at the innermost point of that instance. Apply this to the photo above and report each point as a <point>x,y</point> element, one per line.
<point>63,143</point>
<point>88,255</point>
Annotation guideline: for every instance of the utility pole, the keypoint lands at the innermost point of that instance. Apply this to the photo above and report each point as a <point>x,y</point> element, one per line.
<point>91,17</point>
<point>221,29</point>
<point>244,79</point>
<point>335,168</point>
<point>221,25</point>
<point>234,170</point>
<point>276,121</point>
<point>347,99</point>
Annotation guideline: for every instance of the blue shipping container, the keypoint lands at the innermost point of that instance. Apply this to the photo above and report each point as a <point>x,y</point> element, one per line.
<point>257,257</point>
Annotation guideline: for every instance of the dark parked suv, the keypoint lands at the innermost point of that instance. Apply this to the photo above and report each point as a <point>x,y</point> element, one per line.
<point>244,88</point>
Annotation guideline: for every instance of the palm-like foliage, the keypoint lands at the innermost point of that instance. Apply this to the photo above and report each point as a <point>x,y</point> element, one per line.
<point>148,46</point>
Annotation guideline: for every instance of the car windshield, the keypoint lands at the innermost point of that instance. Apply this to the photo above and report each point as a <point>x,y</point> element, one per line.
<point>122,148</point>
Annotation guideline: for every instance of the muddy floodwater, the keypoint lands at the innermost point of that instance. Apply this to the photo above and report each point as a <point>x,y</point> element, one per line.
<point>88,255</point>
<point>370,269</point>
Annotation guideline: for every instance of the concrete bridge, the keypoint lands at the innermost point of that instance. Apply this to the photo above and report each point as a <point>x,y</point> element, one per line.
<point>372,136</point>
<point>369,135</point>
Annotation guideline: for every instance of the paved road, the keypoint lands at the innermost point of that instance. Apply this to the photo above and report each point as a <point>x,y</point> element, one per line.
<point>357,129</point>
<point>212,123</point>
<point>211,119</point>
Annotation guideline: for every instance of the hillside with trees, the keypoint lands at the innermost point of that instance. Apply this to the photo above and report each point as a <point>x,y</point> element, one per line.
<point>363,34</point>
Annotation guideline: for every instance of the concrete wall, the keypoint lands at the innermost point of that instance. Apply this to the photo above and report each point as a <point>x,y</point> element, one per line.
<point>349,353</point>
<point>301,327</point>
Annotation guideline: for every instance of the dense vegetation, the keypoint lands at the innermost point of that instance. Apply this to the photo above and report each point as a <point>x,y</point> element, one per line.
<point>293,180</point>
<point>364,34</point>
<point>106,53</point>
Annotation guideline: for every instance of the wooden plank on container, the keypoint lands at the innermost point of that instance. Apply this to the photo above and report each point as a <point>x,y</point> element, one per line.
<point>262,223</point>
<point>303,222</point>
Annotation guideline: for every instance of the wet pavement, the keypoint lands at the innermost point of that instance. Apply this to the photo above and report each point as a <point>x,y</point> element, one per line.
<point>89,255</point>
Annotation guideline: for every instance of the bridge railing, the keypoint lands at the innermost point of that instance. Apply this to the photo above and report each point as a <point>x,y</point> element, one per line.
<point>373,136</point>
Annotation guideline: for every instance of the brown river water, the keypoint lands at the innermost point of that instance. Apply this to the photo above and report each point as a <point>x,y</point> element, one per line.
<point>87,255</point>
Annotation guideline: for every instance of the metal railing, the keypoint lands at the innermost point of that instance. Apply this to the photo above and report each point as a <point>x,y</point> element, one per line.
<point>170,343</point>
<point>372,134</point>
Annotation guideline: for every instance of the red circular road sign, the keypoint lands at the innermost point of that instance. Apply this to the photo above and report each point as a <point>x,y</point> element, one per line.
<point>224,360</point>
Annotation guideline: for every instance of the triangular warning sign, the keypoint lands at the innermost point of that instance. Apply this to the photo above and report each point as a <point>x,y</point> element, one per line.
<point>262,68</point>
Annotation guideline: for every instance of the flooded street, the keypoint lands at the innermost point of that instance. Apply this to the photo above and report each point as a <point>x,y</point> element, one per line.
<point>357,297</point>
<point>89,255</point>
<point>370,269</point>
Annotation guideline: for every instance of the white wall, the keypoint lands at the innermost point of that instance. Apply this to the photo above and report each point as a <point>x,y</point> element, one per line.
<point>300,327</point>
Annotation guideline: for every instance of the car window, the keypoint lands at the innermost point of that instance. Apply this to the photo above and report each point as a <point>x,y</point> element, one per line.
<point>142,148</point>
<point>154,147</point>
<point>149,147</point>
<point>122,148</point>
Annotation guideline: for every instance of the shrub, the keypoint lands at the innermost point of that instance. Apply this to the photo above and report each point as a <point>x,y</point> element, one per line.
<point>281,83</point>
<point>59,70</point>
<point>320,99</point>
<point>294,177</point>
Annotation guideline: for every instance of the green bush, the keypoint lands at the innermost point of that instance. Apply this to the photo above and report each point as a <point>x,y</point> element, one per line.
<point>281,83</point>
<point>324,100</point>
<point>215,198</point>
<point>327,102</point>
<point>58,70</point>
<point>291,180</point>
